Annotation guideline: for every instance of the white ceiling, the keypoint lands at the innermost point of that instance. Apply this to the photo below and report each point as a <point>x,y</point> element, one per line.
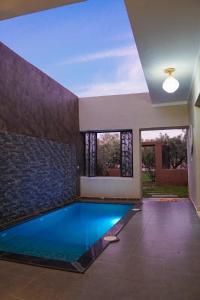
<point>13,8</point>
<point>167,34</point>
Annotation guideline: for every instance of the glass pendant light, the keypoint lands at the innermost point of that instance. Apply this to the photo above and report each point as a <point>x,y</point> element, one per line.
<point>170,84</point>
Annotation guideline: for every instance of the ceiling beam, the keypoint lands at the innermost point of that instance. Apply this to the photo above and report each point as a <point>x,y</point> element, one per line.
<point>14,8</point>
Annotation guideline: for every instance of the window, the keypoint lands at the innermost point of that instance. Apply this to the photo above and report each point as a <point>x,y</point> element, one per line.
<point>109,153</point>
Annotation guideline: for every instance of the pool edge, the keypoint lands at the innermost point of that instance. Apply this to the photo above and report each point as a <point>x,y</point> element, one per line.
<point>86,260</point>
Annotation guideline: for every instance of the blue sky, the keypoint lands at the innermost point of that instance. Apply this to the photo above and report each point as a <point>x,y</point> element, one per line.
<point>87,47</point>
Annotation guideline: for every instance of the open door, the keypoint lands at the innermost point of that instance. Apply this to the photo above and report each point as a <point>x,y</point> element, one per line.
<point>164,163</point>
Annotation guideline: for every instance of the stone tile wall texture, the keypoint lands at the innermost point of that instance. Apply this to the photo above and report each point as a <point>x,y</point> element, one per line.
<point>39,139</point>
<point>35,174</point>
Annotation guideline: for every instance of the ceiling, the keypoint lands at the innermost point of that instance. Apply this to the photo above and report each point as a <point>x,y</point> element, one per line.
<point>167,34</point>
<point>13,8</point>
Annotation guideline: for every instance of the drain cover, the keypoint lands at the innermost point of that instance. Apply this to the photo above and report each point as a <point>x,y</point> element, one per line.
<point>136,209</point>
<point>111,238</point>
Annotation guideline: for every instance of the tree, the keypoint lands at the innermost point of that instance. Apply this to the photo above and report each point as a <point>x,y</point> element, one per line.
<point>148,160</point>
<point>174,150</point>
<point>108,152</point>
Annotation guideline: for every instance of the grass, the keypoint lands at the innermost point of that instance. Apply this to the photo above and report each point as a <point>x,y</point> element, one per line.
<point>146,177</point>
<point>180,191</point>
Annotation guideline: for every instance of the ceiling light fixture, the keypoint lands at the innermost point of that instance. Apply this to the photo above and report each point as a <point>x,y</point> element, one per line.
<point>170,84</point>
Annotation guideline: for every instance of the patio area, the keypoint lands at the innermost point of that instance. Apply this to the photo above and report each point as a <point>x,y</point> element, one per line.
<point>157,258</point>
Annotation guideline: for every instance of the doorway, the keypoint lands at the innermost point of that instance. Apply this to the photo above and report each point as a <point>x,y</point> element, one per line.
<point>164,163</point>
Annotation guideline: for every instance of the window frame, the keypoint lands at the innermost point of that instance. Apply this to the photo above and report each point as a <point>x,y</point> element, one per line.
<point>109,131</point>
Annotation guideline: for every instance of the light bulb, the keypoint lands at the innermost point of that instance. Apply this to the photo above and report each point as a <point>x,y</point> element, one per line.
<point>171,84</point>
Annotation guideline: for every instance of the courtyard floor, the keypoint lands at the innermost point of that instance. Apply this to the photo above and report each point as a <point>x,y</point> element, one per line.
<point>157,258</point>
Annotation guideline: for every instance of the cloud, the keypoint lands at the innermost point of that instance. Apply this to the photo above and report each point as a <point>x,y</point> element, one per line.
<point>112,88</point>
<point>112,53</point>
<point>129,79</point>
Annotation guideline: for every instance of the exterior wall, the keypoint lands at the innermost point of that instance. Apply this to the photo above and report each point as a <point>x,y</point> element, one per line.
<point>33,104</point>
<point>39,137</point>
<point>166,176</point>
<point>194,158</point>
<point>172,177</point>
<point>125,112</point>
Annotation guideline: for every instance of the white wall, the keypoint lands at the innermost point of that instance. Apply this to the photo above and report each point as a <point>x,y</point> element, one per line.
<point>135,112</point>
<point>194,160</point>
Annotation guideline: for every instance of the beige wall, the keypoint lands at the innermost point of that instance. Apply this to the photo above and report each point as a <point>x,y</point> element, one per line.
<point>124,112</point>
<point>194,160</point>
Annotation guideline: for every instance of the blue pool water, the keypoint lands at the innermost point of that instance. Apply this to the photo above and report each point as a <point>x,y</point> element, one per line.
<point>64,234</point>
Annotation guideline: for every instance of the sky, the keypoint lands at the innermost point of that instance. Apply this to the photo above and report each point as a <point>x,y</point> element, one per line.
<point>87,47</point>
<point>153,134</point>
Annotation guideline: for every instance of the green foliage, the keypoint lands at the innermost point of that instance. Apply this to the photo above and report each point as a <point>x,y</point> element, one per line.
<point>108,152</point>
<point>176,151</point>
<point>148,161</point>
<point>146,177</point>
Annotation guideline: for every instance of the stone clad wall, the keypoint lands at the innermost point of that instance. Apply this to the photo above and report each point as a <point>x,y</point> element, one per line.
<point>39,140</point>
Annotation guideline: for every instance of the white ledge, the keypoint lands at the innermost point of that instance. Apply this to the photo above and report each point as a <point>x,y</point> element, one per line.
<point>106,178</point>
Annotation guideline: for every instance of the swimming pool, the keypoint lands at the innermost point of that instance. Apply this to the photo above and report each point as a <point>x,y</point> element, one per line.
<point>68,238</point>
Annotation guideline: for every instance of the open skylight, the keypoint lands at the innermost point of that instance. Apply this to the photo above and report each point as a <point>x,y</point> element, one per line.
<point>87,47</point>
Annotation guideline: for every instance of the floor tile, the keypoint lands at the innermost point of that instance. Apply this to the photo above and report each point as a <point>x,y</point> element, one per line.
<point>157,257</point>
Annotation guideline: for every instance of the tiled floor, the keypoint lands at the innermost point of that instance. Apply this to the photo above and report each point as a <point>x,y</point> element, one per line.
<point>158,258</point>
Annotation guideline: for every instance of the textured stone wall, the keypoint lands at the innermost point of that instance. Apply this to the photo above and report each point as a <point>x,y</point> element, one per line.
<point>39,139</point>
<point>35,174</point>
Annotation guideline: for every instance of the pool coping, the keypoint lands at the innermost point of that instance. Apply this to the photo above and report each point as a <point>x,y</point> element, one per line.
<point>84,262</point>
